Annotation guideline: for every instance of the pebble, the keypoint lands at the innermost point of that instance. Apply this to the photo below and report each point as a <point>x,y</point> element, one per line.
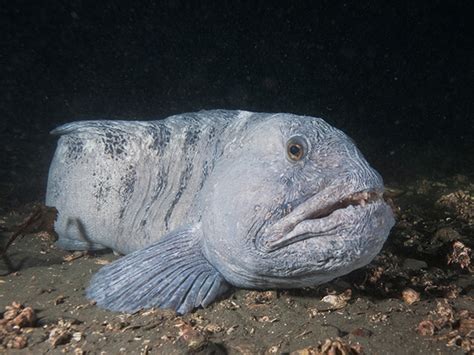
<point>414,264</point>
<point>447,234</point>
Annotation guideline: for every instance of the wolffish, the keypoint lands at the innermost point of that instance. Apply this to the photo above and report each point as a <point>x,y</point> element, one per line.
<point>201,201</point>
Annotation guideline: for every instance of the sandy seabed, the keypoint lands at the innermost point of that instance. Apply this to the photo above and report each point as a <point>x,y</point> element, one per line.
<point>417,296</point>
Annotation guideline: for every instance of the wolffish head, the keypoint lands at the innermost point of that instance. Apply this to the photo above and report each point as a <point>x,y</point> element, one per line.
<point>292,203</point>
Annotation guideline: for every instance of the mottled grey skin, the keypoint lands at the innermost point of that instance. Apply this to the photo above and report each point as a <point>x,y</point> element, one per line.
<point>202,200</point>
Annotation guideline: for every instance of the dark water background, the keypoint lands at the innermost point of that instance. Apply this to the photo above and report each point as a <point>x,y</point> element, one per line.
<point>398,78</point>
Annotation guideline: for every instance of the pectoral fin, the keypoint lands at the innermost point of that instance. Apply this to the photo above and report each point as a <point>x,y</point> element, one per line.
<point>171,273</point>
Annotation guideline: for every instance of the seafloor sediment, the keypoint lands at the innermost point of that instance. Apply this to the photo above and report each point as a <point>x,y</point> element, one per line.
<point>415,297</point>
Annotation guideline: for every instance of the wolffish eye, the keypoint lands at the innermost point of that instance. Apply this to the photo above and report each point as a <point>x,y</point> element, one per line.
<point>296,148</point>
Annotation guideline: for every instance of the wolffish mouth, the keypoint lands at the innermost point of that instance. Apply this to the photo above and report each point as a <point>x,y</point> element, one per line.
<point>360,198</point>
<point>313,218</point>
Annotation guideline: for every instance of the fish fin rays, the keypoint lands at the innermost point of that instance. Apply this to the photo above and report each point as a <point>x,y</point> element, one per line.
<point>172,273</point>
<point>99,127</point>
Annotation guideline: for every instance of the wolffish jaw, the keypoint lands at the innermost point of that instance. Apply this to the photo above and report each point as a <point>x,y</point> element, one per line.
<point>305,258</point>
<point>322,215</point>
<point>360,198</point>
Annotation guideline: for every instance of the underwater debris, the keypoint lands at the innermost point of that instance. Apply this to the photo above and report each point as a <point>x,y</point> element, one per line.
<point>410,296</point>
<point>19,315</point>
<point>455,328</point>
<point>446,235</point>
<point>15,318</point>
<point>192,337</point>
<point>338,301</point>
<point>331,347</point>
<point>213,328</point>
<point>40,220</point>
<point>426,328</point>
<point>59,336</point>
<point>75,255</point>
<point>63,332</point>
<point>461,202</point>
<point>331,302</point>
<point>254,298</point>
<point>460,255</point>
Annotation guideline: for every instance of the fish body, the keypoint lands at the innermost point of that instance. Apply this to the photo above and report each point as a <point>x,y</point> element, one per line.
<point>124,184</point>
<point>201,201</point>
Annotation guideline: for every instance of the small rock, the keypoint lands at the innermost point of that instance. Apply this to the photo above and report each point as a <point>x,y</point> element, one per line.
<point>273,349</point>
<point>232,329</point>
<point>18,315</point>
<point>330,347</point>
<point>460,255</point>
<point>60,299</point>
<point>466,326</point>
<point>447,235</point>
<point>338,301</point>
<point>77,336</point>
<point>445,311</point>
<point>193,338</point>
<point>17,342</point>
<point>461,202</point>
<point>213,328</point>
<point>59,337</point>
<point>426,328</point>
<point>26,318</point>
<point>410,296</point>
<point>414,264</point>
<point>452,291</point>
<point>12,311</point>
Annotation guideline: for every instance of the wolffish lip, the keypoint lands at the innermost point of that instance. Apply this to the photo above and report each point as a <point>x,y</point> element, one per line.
<point>312,217</point>
<point>360,198</point>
